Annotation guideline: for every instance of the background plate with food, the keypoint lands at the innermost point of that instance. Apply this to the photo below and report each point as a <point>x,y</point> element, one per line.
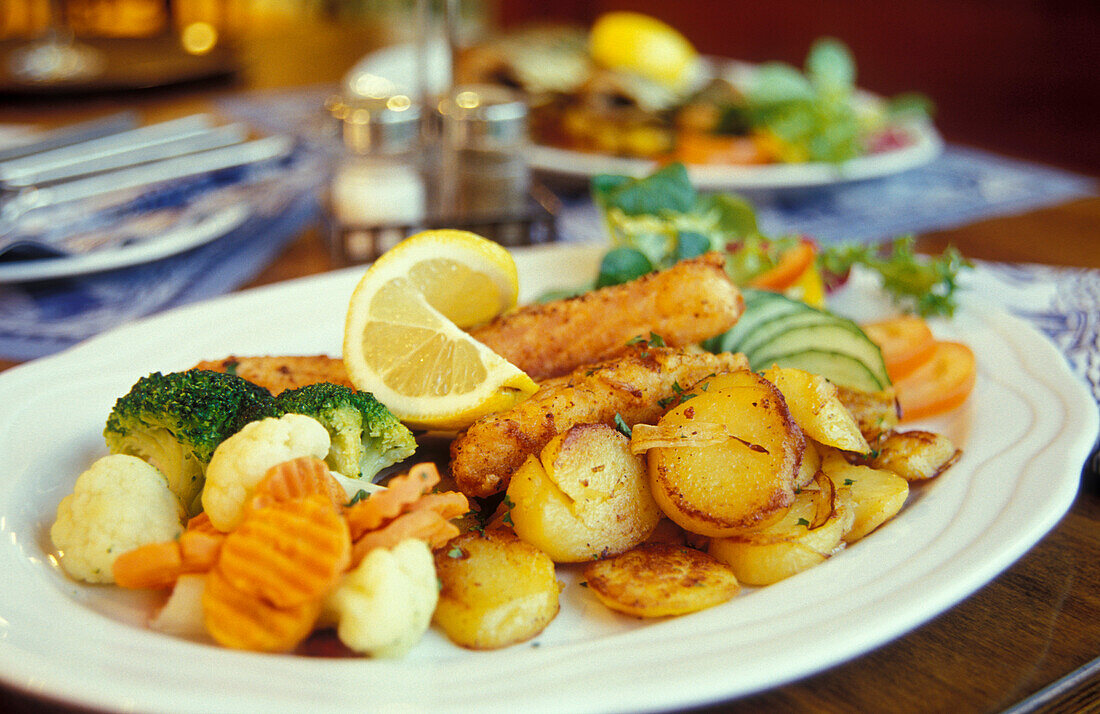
<point>631,92</point>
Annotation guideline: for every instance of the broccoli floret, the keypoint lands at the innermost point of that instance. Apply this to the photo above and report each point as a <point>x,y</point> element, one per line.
<point>175,421</point>
<point>366,436</point>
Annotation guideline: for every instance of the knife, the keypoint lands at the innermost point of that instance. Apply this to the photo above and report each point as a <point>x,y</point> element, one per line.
<point>73,134</point>
<point>156,148</point>
<point>15,172</point>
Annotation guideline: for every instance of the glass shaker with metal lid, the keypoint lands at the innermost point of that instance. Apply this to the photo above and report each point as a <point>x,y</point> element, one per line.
<point>377,194</point>
<point>481,175</point>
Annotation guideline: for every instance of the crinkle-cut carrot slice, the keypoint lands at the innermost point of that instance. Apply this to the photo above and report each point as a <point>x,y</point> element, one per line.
<point>401,492</point>
<point>449,504</point>
<point>442,535</point>
<point>154,565</point>
<point>423,525</point>
<point>240,620</point>
<point>298,478</point>
<point>202,523</point>
<point>288,552</point>
<point>199,550</point>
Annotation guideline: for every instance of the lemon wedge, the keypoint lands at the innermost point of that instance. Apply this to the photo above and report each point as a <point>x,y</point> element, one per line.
<point>643,45</point>
<point>404,340</point>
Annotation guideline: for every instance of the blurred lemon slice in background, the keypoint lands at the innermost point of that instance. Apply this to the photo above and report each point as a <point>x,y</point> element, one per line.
<point>643,45</point>
<point>404,340</point>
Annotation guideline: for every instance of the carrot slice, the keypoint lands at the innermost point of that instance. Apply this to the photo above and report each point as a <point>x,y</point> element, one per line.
<point>199,550</point>
<point>241,620</point>
<point>695,147</point>
<point>297,478</point>
<point>449,504</point>
<point>401,492</point>
<point>941,383</point>
<point>202,523</point>
<point>792,264</point>
<point>906,343</point>
<point>155,565</point>
<point>287,553</point>
<point>426,525</point>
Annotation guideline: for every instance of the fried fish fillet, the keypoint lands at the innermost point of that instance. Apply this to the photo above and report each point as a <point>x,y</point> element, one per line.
<point>277,373</point>
<point>639,386</point>
<point>685,304</point>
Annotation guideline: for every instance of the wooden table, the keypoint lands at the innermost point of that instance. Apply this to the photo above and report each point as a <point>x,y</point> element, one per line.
<point>1001,649</point>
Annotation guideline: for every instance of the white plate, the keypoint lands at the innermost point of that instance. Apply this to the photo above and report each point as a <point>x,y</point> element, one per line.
<point>1026,431</point>
<point>926,145</point>
<point>177,240</point>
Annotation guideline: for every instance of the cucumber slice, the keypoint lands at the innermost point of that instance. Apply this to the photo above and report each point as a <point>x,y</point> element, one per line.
<point>838,368</point>
<point>761,308</point>
<point>845,339</point>
<point>768,331</point>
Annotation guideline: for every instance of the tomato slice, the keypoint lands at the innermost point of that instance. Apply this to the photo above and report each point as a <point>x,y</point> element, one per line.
<point>792,264</point>
<point>941,383</point>
<point>694,147</point>
<point>906,343</point>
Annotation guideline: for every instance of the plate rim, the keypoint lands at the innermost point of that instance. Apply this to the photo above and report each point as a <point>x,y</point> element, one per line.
<point>700,691</point>
<point>174,241</point>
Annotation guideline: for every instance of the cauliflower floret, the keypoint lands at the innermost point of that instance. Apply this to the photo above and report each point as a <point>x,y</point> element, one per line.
<point>241,461</point>
<point>384,606</point>
<point>118,504</point>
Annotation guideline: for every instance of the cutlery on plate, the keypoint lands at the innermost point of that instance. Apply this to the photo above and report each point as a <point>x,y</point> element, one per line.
<point>155,149</point>
<point>73,134</point>
<point>33,199</point>
<point>20,172</point>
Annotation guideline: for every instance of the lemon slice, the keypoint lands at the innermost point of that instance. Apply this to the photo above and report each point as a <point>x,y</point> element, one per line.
<point>403,338</point>
<point>643,45</point>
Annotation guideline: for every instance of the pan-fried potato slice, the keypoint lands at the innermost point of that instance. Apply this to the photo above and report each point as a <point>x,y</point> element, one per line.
<point>767,555</point>
<point>716,489</point>
<point>661,579</point>
<point>496,590</point>
<point>585,497</point>
<point>877,494</point>
<point>817,409</point>
<point>916,455</point>
<point>877,413</point>
<point>809,466</point>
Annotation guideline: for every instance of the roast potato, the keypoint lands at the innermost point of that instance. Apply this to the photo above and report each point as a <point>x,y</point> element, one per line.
<point>496,590</point>
<point>877,495</point>
<point>817,409</point>
<point>586,496</point>
<point>714,489</point>
<point>797,541</point>
<point>915,455</point>
<point>661,579</point>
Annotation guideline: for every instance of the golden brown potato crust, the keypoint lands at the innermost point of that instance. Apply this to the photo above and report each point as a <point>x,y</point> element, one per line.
<point>685,304</point>
<point>634,385</point>
<point>279,373</point>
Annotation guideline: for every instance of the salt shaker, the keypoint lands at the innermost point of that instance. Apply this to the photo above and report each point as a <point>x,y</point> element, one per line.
<point>377,194</point>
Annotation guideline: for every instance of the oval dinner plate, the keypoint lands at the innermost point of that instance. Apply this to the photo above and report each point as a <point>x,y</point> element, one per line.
<point>1025,433</point>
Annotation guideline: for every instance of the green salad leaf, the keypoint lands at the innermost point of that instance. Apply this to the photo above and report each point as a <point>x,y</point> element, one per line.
<point>652,225</point>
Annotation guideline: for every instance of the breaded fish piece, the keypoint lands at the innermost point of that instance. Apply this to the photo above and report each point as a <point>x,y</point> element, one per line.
<point>685,304</point>
<point>639,385</point>
<point>277,373</point>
